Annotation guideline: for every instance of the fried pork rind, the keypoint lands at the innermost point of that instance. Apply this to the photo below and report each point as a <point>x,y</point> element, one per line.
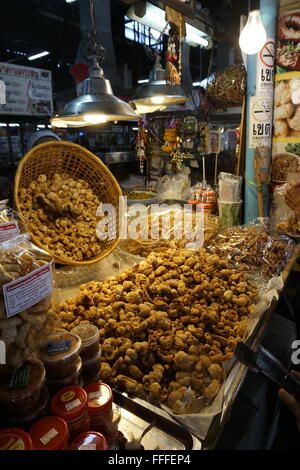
<point>165,335</point>
<point>22,332</point>
<point>252,248</point>
<point>61,213</point>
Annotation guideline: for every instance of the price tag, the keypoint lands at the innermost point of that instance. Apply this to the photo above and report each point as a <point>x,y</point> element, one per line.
<point>9,230</point>
<point>28,290</point>
<point>48,436</point>
<point>73,404</point>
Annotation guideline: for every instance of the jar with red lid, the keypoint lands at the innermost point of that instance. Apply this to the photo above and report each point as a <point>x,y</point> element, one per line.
<point>14,439</point>
<point>100,400</point>
<point>90,440</point>
<point>50,433</point>
<point>70,404</point>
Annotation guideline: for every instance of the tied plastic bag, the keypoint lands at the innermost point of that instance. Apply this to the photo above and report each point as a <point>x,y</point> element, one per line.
<point>169,226</point>
<point>26,288</point>
<point>11,223</point>
<point>254,247</point>
<point>174,187</point>
<point>283,217</point>
<point>229,187</point>
<point>228,88</point>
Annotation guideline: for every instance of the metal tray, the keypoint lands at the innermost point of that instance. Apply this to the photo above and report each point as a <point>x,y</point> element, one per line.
<point>165,435</point>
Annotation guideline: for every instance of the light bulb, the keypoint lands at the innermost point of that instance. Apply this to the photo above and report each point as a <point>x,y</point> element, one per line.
<point>157,99</point>
<point>95,118</point>
<point>253,36</point>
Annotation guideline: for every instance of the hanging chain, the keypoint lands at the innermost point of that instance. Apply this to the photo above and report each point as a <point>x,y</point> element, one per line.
<point>92,49</point>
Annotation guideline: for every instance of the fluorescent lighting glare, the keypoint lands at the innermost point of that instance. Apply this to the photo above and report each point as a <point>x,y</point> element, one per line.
<point>3,124</point>
<point>145,80</point>
<point>41,126</point>
<point>157,99</point>
<point>37,56</point>
<point>14,124</point>
<point>134,128</point>
<point>95,118</point>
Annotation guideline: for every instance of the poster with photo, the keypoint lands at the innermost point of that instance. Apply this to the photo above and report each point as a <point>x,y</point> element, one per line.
<point>286,120</point>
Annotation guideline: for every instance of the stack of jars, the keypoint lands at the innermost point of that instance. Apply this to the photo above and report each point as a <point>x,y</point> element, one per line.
<point>90,352</point>
<point>23,395</point>
<point>60,355</point>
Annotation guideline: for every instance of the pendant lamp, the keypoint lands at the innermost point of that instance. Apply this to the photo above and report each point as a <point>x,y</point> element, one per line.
<point>158,91</point>
<point>97,104</point>
<point>253,36</point>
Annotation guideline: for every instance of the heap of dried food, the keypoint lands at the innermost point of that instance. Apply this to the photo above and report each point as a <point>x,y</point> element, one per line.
<point>21,332</point>
<point>228,88</point>
<point>253,249</point>
<point>61,213</point>
<point>291,225</point>
<point>167,325</point>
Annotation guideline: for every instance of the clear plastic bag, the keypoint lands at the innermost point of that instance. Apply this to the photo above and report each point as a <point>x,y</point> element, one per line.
<point>254,247</point>
<point>282,216</point>
<point>23,319</point>
<point>169,226</point>
<point>11,223</point>
<point>174,187</point>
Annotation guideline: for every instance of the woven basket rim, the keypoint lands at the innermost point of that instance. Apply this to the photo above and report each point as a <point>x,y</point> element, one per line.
<point>97,161</point>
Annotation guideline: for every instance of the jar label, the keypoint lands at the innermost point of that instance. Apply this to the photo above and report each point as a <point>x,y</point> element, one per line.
<point>28,290</point>
<point>9,230</point>
<point>49,436</point>
<point>67,396</point>
<point>88,447</point>
<point>19,377</point>
<point>94,395</point>
<point>58,346</point>
<point>13,444</point>
<point>73,404</point>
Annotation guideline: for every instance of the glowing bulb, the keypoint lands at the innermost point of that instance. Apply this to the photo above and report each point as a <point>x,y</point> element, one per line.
<point>95,118</point>
<point>157,99</point>
<point>253,36</point>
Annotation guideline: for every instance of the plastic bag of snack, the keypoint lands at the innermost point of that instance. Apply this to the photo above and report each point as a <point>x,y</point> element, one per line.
<point>282,216</point>
<point>228,88</point>
<point>26,288</point>
<point>174,187</point>
<point>11,224</point>
<point>169,226</point>
<point>253,247</point>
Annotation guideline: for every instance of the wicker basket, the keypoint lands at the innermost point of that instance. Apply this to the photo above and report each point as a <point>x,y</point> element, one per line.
<point>79,163</point>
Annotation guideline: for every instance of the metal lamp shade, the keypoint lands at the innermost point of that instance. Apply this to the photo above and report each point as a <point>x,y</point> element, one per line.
<point>97,99</point>
<point>159,87</point>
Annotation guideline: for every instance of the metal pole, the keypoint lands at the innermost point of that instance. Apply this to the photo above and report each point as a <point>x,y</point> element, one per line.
<point>260,89</point>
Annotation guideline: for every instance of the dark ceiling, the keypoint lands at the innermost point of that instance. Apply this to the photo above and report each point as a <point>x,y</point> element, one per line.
<point>31,26</point>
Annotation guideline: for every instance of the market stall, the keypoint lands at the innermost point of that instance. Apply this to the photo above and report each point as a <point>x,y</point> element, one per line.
<point>123,303</point>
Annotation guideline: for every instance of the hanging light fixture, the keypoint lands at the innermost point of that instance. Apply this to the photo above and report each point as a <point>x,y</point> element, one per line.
<point>97,104</point>
<point>253,36</point>
<point>158,92</point>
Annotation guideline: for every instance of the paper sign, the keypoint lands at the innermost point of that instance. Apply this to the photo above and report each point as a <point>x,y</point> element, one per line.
<point>260,125</point>
<point>9,230</point>
<point>28,290</point>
